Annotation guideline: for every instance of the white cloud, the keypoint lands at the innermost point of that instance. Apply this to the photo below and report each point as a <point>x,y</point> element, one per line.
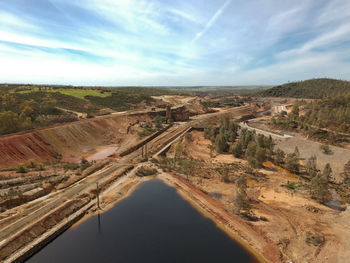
<point>335,10</point>
<point>147,42</point>
<point>185,15</point>
<point>211,22</point>
<point>10,20</point>
<point>341,34</point>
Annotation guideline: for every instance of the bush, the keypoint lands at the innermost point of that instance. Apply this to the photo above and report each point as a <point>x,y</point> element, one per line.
<point>70,166</point>
<point>188,137</point>
<point>32,163</point>
<point>84,164</point>
<point>41,167</point>
<point>145,171</point>
<point>21,168</point>
<point>325,149</point>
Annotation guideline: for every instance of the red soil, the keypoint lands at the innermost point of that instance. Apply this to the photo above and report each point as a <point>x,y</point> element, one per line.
<point>72,140</point>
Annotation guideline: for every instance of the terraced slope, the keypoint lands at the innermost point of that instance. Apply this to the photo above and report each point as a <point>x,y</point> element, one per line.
<point>71,141</point>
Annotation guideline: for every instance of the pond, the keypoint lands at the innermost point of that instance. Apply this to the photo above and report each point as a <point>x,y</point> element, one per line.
<point>153,225</point>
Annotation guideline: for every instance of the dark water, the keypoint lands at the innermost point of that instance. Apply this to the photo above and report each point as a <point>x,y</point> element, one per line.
<point>153,225</point>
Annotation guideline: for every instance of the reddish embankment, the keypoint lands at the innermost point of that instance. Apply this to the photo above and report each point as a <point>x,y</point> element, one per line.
<point>19,148</point>
<point>72,140</point>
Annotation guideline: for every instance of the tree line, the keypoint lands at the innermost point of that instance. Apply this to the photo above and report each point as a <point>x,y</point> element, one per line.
<point>257,148</point>
<point>17,115</point>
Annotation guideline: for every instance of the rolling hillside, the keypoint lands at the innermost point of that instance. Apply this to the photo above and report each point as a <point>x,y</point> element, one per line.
<point>327,117</point>
<point>311,89</point>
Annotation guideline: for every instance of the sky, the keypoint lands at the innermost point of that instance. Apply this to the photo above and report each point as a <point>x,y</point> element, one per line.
<point>173,43</point>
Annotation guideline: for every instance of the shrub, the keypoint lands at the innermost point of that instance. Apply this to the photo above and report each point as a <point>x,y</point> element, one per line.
<point>188,137</point>
<point>70,166</point>
<point>325,149</point>
<point>145,171</point>
<point>32,163</point>
<point>21,168</point>
<point>41,167</point>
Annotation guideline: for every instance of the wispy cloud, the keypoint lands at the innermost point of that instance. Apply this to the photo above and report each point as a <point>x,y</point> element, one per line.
<point>211,22</point>
<point>155,42</point>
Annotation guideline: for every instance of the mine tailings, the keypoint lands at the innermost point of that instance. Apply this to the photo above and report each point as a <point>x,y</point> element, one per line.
<point>70,141</point>
<point>154,224</point>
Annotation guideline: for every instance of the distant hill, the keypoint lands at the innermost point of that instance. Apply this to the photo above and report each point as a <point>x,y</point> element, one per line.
<point>311,89</point>
<point>24,107</point>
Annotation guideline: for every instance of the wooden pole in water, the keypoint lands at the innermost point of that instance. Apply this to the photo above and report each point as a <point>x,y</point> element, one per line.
<point>98,196</point>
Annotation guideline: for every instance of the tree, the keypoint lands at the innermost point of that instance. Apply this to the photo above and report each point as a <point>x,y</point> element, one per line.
<point>210,133</point>
<point>7,100</point>
<point>296,152</point>
<point>292,163</point>
<point>311,166</point>
<point>295,111</point>
<point>47,104</point>
<point>319,188</point>
<point>260,156</point>
<point>237,149</point>
<point>25,122</point>
<point>26,108</point>
<point>220,143</point>
<point>327,171</point>
<point>179,150</point>
<point>225,177</point>
<point>188,167</point>
<point>251,154</point>
<point>225,121</point>
<point>8,122</point>
<point>269,143</point>
<point>246,137</point>
<point>280,155</point>
<point>242,200</point>
<point>346,174</point>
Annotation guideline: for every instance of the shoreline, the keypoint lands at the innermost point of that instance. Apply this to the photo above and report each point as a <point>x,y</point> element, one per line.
<point>233,227</point>
<point>93,211</point>
<point>120,190</point>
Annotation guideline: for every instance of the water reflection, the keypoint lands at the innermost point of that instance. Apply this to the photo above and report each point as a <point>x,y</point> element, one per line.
<point>99,224</point>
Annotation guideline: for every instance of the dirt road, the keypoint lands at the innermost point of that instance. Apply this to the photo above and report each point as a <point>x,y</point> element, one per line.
<point>19,218</point>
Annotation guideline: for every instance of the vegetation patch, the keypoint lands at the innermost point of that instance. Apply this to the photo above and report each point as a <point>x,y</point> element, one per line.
<point>74,92</point>
<point>146,171</point>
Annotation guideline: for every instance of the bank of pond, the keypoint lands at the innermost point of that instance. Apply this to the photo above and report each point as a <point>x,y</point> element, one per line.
<point>154,224</point>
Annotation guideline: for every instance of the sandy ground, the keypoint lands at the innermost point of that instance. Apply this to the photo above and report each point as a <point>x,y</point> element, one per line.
<point>234,226</point>
<point>294,220</point>
<point>174,99</point>
<point>308,148</point>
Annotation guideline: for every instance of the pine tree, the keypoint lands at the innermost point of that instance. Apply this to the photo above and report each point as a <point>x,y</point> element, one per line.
<point>260,156</point>
<point>242,201</point>
<point>319,188</point>
<point>296,152</point>
<point>311,166</point>
<point>346,174</point>
<point>220,143</point>
<point>292,163</point>
<point>327,172</point>
<point>237,149</point>
<point>280,155</point>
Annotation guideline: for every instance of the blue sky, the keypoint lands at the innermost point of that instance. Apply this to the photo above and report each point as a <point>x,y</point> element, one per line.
<point>163,42</point>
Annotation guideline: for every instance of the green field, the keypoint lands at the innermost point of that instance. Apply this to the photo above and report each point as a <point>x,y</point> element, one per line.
<point>78,93</point>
